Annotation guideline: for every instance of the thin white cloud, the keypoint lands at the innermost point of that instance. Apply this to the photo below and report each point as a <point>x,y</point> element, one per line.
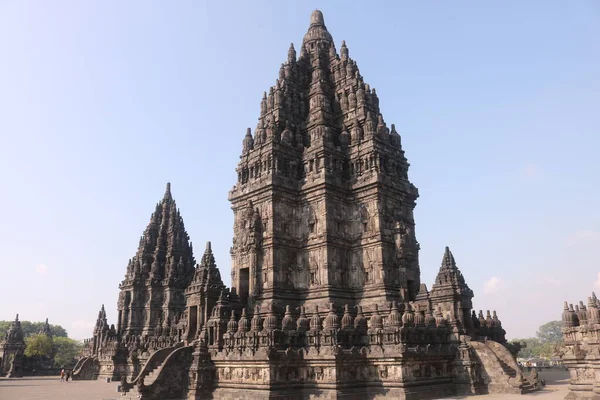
<point>531,172</point>
<point>41,305</point>
<point>492,285</point>
<point>597,283</point>
<point>41,269</point>
<point>583,236</point>
<point>81,329</point>
<point>551,281</point>
<point>83,324</point>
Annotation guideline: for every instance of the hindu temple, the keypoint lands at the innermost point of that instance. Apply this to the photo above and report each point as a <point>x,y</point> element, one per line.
<point>326,299</point>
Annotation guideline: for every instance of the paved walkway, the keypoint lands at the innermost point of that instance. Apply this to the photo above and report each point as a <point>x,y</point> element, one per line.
<point>557,381</point>
<point>50,388</point>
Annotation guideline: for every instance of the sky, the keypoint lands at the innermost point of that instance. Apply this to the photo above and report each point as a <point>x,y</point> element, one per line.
<point>104,102</point>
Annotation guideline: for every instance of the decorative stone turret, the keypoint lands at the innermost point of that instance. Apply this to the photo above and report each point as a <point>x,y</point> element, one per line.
<point>287,324</point>
<point>360,322</point>
<point>203,292</point>
<point>394,319</point>
<point>302,324</point>
<point>46,330</point>
<point>451,293</point>
<point>243,323</point>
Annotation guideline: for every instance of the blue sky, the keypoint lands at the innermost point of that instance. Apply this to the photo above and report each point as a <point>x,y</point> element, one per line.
<point>102,103</point>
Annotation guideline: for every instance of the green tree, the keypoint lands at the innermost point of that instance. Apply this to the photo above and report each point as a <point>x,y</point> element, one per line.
<point>550,332</point>
<point>4,325</point>
<point>531,344</point>
<point>38,345</point>
<point>545,345</point>
<point>66,351</point>
<point>544,350</point>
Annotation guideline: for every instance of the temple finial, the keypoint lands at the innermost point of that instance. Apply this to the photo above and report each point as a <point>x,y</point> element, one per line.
<point>316,18</point>
<point>448,260</point>
<point>344,50</point>
<point>291,53</point>
<point>317,33</point>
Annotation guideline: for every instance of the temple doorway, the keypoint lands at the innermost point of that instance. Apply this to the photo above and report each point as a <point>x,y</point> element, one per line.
<point>192,323</point>
<point>244,284</point>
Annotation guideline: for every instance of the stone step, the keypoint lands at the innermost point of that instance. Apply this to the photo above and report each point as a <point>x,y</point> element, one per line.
<point>150,378</point>
<point>528,388</point>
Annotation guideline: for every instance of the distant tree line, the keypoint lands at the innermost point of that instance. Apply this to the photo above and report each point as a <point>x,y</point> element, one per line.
<point>31,328</point>
<point>60,350</point>
<point>546,344</point>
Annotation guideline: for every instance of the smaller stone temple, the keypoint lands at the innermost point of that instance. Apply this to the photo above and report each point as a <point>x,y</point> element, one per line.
<point>46,329</point>
<point>12,351</point>
<point>581,335</point>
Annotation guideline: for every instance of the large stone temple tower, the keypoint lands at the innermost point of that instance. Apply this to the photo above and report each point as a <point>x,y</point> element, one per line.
<point>323,205</point>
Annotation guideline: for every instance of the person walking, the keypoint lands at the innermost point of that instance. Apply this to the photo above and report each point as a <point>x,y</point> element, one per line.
<point>62,375</point>
<point>68,375</point>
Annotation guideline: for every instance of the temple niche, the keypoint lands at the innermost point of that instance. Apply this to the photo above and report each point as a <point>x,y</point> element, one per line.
<point>325,269</point>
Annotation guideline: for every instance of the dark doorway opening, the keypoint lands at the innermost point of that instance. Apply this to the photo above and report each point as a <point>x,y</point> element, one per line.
<point>244,284</point>
<point>412,290</point>
<point>193,323</point>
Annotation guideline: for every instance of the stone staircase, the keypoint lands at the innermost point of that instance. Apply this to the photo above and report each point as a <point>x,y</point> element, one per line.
<point>501,371</point>
<point>508,370</point>
<point>526,386</point>
<point>511,369</point>
<point>87,368</point>
<point>149,372</point>
<point>169,378</point>
<point>151,376</point>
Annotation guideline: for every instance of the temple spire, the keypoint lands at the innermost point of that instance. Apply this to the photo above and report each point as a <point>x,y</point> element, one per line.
<point>46,330</point>
<point>208,259</point>
<point>451,292</point>
<point>448,260</point>
<point>317,33</point>
<point>291,53</point>
<point>316,18</point>
<point>168,196</point>
<point>449,272</point>
<point>15,333</point>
